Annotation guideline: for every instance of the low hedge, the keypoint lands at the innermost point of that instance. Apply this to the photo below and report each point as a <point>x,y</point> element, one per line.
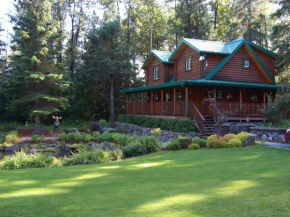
<point>176,125</point>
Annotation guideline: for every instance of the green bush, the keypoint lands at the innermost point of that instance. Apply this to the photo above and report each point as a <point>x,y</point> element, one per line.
<point>174,145</point>
<point>122,139</point>
<point>177,125</point>
<point>96,135</point>
<point>81,147</point>
<point>5,127</point>
<point>34,138</point>
<point>200,141</point>
<point>193,146</point>
<point>234,143</point>
<point>62,137</point>
<point>116,154</point>
<point>105,137</point>
<point>87,157</point>
<point>21,160</point>
<point>87,137</point>
<point>229,136</point>
<point>134,148</point>
<point>243,136</point>
<point>214,141</point>
<point>152,144</point>
<point>156,132</point>
<point>76,137</point>
<point>185,139</point>
<point>103,123</point>
<point>12,137</point>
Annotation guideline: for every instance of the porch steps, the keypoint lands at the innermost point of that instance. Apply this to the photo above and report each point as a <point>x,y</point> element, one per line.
<point>208,126</point>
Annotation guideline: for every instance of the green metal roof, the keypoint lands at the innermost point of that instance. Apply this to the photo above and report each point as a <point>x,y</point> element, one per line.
<point>205,83</point>
<point>162,56</point>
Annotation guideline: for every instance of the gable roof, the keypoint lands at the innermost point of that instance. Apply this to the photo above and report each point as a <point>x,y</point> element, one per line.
<point>162,56</point>
<point>235,47</point>
<point>215,47</point>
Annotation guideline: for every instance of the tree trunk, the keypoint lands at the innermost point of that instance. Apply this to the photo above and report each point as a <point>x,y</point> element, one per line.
<point>37,121</point>
<point>112,100</point>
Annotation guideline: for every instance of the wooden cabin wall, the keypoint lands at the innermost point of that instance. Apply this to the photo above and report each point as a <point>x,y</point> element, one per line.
<point>180,73</point>
<point>195,96</point>
<point>212,60</point>
<point>233,70</point>
<point>169,72</point>
<point>267,60</point>
<point>149,75</point>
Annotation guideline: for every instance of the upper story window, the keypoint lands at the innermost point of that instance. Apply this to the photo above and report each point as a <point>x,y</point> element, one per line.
<point>246,63</point>
<point>188,64</point>
<point>156,73</point>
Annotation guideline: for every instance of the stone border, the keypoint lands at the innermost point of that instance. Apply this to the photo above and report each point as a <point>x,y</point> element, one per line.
<point>269,134</point>
<point>146,131</point>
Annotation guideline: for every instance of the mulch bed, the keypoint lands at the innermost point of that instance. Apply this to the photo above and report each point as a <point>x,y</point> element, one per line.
<point>30,132</point>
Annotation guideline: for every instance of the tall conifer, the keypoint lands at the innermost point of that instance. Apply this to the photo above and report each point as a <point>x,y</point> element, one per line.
<point>36,82</point>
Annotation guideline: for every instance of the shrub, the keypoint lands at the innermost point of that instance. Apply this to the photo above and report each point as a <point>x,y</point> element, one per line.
<point>42,138</point>
<point>12,137</point>
<point>103,123</point>
<point>185,139</point>
<point>229,136</point>
<point>134,148</point>
<point>34,138</point>
<point>215,142</point>
<point>96,135</point>
<point>105,137</point>
<point>5,127</point>
<point>152,144</point>
<point>200,141</point>
<point>62,137</point>
<point>81,147</point>
<point>86,157</point>
<point>243,136</point>
<point>193,146</point>
<point>116,154</point>
<point>156,132</point>
<point>87,137</point>
<point>174,145</point>
<point>122,139</point>
<point>177,125</point>
<point>41,145</point>
<point>21,160</point>
<point>77,137</point>
<point>234,143</point>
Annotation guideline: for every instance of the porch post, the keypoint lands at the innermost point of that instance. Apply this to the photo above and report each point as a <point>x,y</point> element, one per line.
<point>161,102</point>
<point>264,99</point>
<point>127,97</point>
<point>151,102</point>
<point>134,103</point>
<point>241,101</point>
<point>142,102</point>
<point>174,100</point>
<point>186,107</point>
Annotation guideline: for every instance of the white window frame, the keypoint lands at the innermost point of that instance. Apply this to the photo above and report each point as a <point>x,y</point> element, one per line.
<point>246,63</point>
<point>188,65</point>
<point>156,73</point>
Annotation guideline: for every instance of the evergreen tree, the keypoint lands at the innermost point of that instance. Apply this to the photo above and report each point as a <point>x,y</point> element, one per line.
<point>105,70</point>
<point>281,38</point>
<point>36,82</point>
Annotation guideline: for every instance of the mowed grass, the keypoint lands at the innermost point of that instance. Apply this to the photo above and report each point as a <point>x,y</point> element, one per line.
<point>253,181</point>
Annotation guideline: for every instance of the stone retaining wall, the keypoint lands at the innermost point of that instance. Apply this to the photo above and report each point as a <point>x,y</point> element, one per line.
<point>236,128</point>
<point>269,134</point>
<point>145,131</point>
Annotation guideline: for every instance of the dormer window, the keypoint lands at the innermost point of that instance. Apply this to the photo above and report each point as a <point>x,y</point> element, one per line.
<point>188,64</point>
<point>156,73</point>
<point>246,63</point>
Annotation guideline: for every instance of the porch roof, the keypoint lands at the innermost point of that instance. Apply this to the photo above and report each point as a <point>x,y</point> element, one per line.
<point>205,83</point>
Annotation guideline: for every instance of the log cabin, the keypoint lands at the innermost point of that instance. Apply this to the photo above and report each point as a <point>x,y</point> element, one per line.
<point>239,75</point>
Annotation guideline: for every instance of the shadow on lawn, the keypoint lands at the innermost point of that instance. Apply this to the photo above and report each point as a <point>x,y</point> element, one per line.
<point>240,182</point>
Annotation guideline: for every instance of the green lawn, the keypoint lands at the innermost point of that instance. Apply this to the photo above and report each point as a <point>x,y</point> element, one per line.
<point>253,181</point>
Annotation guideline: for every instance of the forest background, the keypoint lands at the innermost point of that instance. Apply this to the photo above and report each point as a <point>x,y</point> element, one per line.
<point>71,57</point>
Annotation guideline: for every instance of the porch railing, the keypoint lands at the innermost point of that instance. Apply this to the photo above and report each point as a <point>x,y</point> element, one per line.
<point>195,114</point>
<point>156,108</point>
<point>241,110</point>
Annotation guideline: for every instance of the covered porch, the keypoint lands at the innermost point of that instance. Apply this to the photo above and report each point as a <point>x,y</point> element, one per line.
<point>240,103</point>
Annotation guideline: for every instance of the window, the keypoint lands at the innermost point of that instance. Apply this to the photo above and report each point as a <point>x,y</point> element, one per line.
<point>188,64</point>
<point>246,63</point>
<point>156,73</point>
<point>219,94</point>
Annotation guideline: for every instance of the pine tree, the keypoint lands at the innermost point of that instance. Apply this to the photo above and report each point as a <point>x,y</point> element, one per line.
<point>281,37</point>
<point>36,82</point>
<point>105,70</point>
